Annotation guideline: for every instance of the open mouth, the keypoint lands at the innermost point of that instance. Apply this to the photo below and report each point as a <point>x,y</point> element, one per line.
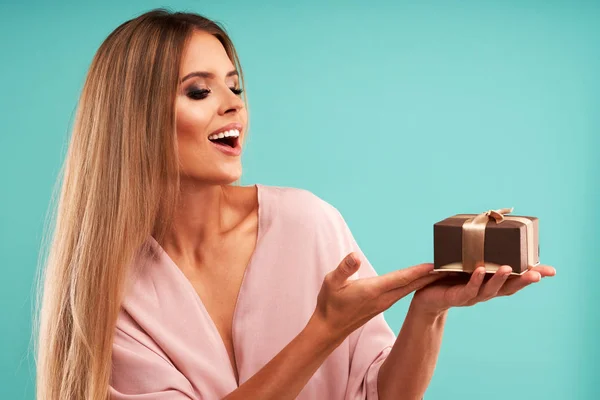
<point>226,141</point>
<point>228,138</point>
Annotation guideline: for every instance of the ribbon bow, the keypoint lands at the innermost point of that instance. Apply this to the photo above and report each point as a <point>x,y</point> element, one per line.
<point>473,237</point>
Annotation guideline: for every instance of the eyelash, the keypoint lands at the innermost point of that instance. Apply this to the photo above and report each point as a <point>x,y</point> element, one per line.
<point>203,93</point>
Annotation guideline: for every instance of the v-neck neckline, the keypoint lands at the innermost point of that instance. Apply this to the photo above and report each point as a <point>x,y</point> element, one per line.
<point>213,326</point>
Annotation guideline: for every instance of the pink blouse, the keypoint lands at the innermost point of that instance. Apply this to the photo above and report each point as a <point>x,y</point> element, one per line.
<point>166,345</point>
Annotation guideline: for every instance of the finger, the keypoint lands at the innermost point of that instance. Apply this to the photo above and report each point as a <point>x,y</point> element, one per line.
<point>493,286</point>
<point>515,284</point>
<point>401,277</point>
<point>471,289</point>
<point>544,270</point>
<point>345,269</point>
<point>390,297</point>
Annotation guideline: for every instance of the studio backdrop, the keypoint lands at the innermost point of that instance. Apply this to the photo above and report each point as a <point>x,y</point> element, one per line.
<point>400,114</point>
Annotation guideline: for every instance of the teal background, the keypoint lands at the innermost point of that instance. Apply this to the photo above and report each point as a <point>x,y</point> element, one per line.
<point>399,114</point>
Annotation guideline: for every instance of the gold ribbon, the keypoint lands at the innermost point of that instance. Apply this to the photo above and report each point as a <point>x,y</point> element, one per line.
<point>473,237</point>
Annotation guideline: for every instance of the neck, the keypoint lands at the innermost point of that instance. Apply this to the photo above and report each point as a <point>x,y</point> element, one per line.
<point>205,214</point>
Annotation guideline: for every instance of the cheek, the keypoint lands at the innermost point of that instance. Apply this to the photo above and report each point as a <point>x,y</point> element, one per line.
<point>192,121</point>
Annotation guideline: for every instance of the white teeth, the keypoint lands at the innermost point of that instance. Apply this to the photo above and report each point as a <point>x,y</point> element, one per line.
<point>230,133</point>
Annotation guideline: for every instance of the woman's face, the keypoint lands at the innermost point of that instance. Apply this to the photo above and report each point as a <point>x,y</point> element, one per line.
<point>209,106</point>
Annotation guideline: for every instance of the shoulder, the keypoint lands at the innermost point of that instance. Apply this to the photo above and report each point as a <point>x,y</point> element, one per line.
<point>304,223</point>
<point>301,207</point>
<point>298,202</point>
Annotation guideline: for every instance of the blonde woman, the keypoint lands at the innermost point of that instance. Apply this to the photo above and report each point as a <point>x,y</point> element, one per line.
<point>167,280</point>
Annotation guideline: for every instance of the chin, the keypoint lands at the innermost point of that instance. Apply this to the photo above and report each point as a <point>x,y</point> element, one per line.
<point>231,180</point>
<point>213,179</point>
<point>229,177</point>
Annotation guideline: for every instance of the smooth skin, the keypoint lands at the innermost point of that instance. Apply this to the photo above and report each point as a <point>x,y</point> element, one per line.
<point>214,234</point>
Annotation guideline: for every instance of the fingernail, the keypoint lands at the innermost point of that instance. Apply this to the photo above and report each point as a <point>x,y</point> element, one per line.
<point>350,260</point>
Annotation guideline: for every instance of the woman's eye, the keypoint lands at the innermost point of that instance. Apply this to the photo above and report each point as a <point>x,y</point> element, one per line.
<point>198,94</point>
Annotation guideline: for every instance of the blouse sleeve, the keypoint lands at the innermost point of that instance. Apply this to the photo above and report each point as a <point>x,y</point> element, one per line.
<point>369,347</point>
<point>371,343</point>
<point>140,373</point>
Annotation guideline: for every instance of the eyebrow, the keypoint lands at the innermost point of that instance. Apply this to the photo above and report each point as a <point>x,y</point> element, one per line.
<point>207,75</point>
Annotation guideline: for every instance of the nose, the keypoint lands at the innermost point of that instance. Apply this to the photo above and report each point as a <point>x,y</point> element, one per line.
<point>230,103</point>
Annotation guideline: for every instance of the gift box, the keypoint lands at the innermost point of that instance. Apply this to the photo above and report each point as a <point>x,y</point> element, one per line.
<point>463,242</point>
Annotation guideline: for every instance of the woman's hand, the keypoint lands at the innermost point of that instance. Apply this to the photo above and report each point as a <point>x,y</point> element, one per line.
<point>462,291</point>
<point>344,305</point>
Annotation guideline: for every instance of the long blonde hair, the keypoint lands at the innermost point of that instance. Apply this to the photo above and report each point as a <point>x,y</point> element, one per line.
<point>120,184</point>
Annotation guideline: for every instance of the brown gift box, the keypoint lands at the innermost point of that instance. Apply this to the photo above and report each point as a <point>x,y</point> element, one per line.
<point>463,242</point>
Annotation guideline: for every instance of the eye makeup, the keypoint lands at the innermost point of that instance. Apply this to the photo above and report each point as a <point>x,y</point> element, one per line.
<point>196,93</point>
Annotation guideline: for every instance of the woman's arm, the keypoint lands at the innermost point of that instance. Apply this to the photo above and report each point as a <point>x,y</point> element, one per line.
<point>342,307</point>
<point>407,371</point>
<point>288,372</point>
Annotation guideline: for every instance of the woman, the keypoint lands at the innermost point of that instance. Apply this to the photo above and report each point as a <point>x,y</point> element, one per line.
<point>165,280</point>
